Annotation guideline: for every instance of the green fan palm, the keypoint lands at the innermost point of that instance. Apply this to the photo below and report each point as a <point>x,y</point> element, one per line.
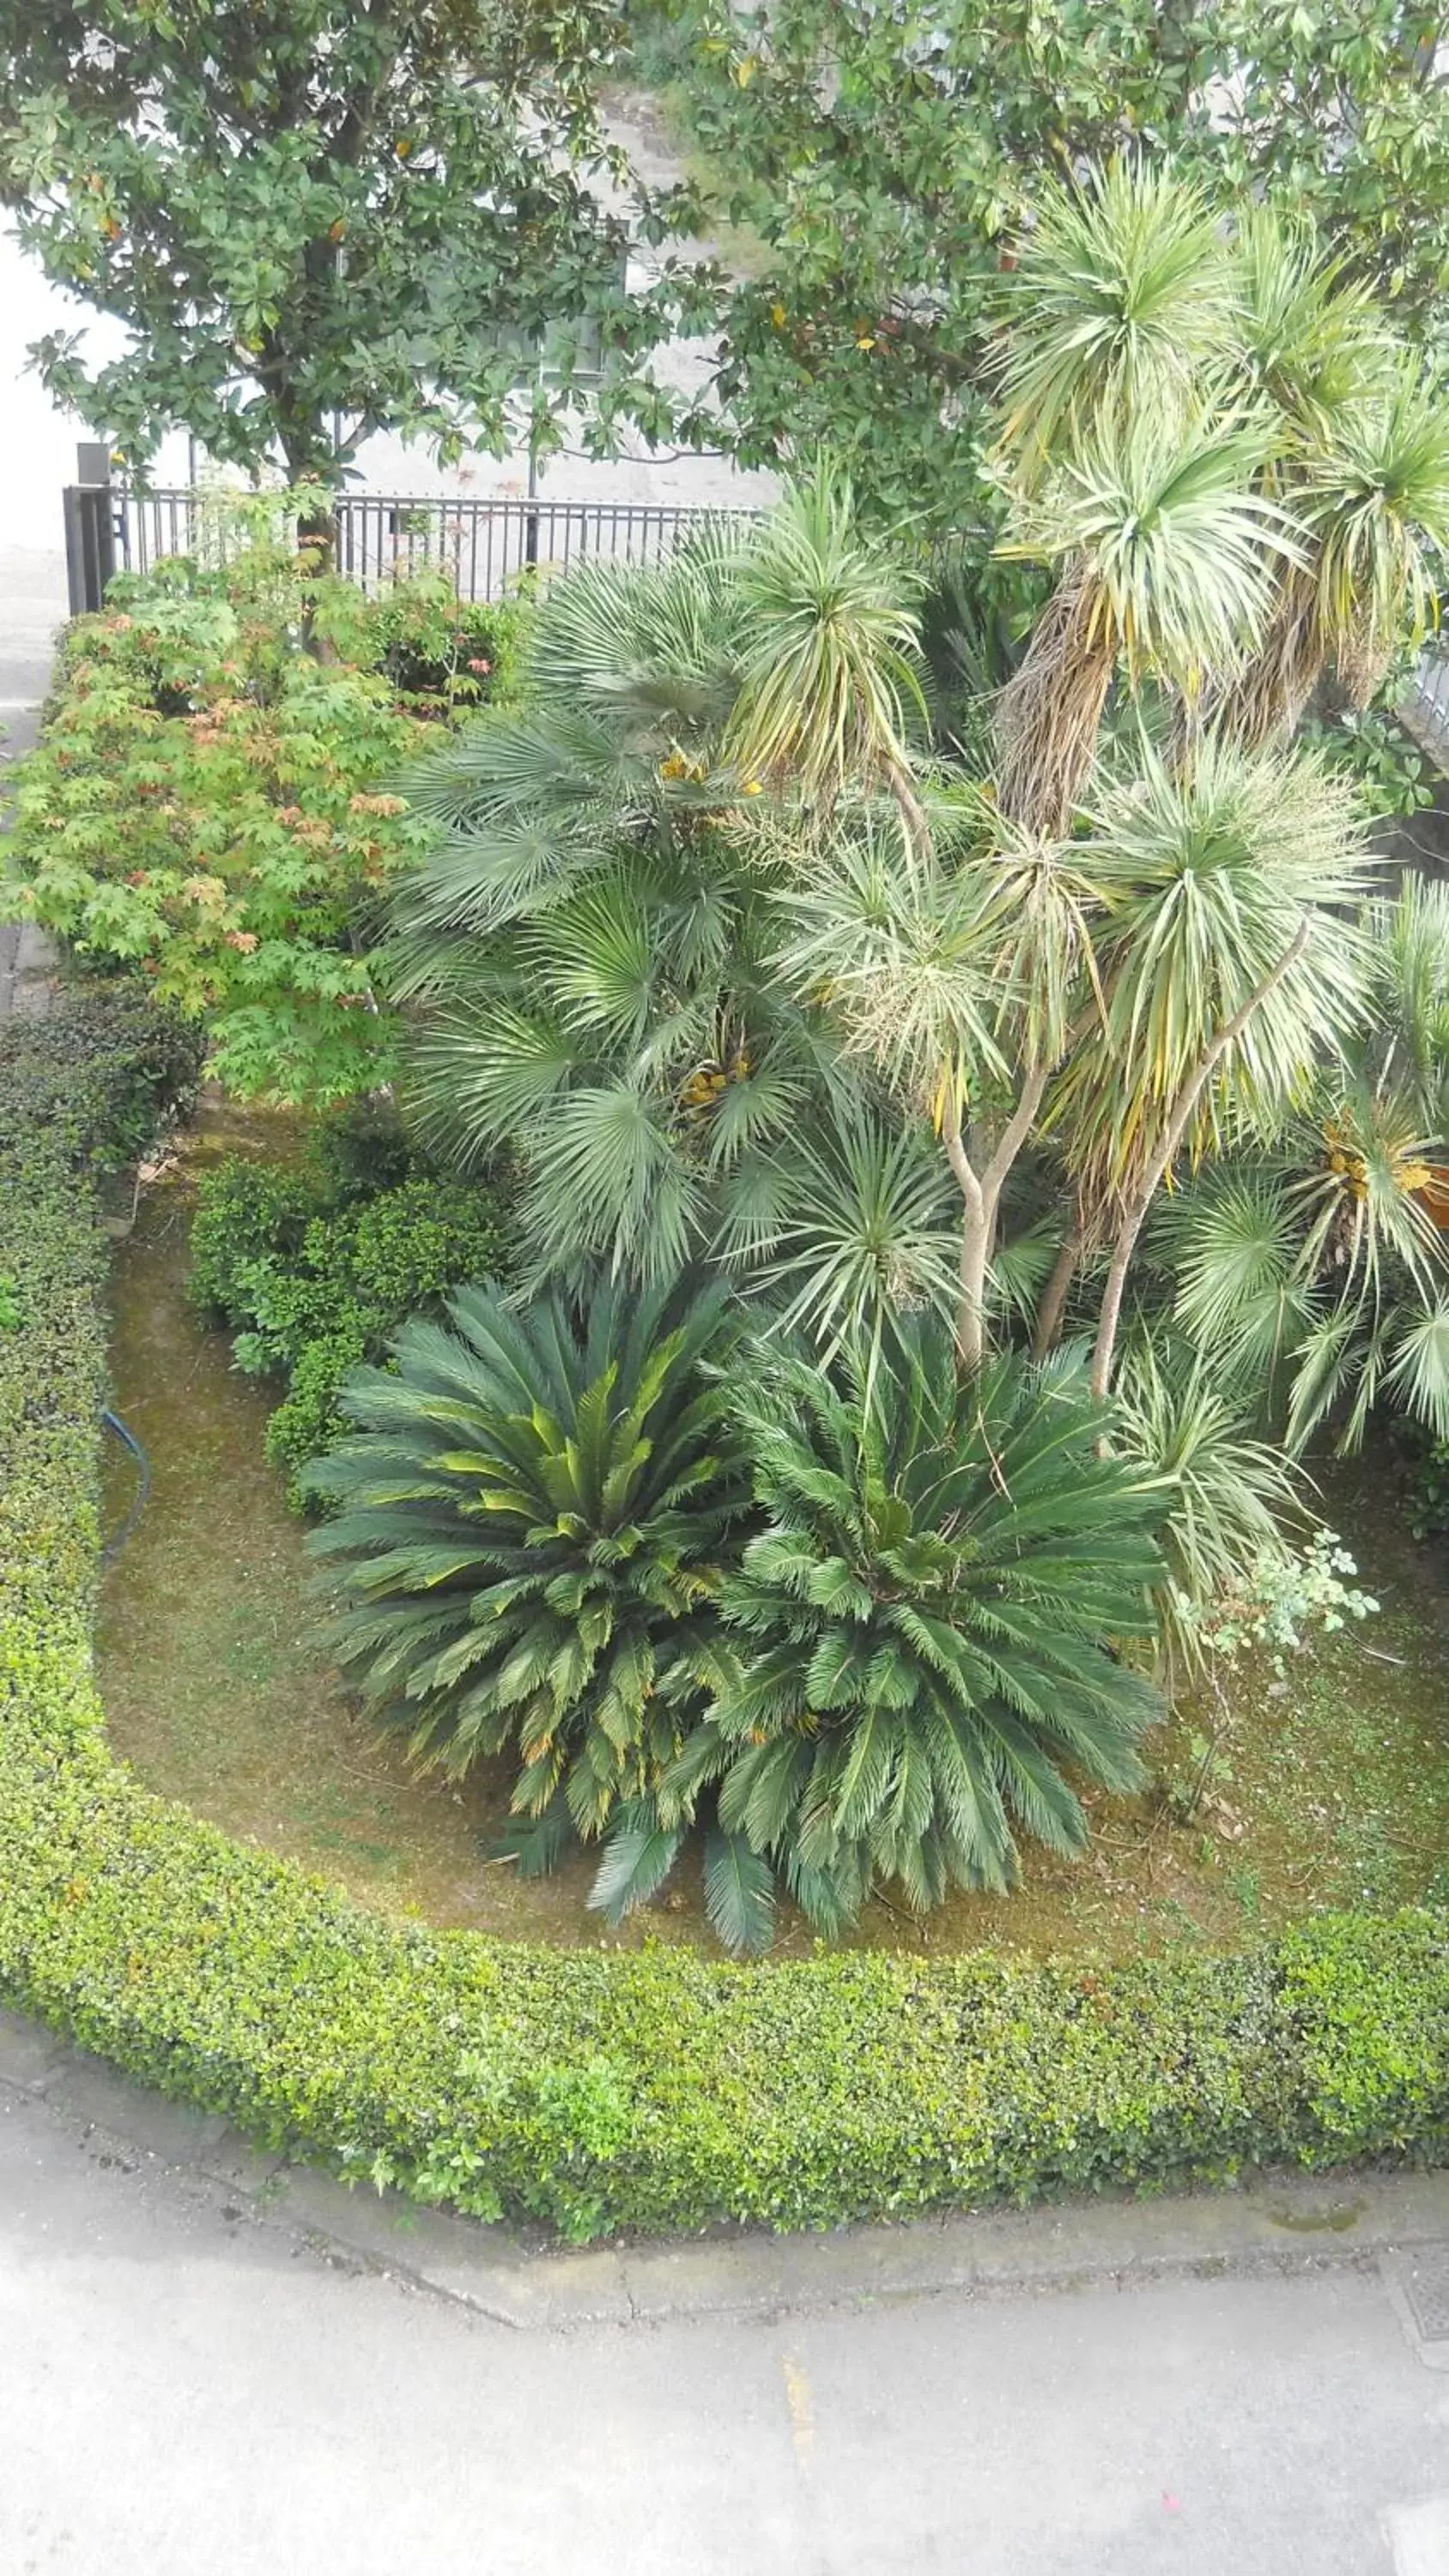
<point>530,1519</point>
<point>924,1633</point>
<point>586,951</point>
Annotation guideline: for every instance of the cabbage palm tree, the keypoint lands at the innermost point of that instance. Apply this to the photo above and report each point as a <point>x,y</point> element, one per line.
<point>1315,1269</point>
<point>1165,551</point>
<point>957,967</point>
<point>1360,458</point>
<point>1120,303</point>
<point>1229,966</point>
<point>1131,464</point>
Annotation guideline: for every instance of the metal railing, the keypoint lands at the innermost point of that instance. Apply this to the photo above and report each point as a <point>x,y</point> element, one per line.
<point>481,546</point>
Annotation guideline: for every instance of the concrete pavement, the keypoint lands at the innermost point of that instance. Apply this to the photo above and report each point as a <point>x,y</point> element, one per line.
<point>211,2365</point>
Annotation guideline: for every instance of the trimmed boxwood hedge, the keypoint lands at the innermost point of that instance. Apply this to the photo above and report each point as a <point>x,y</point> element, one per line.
<point>595,2090</point>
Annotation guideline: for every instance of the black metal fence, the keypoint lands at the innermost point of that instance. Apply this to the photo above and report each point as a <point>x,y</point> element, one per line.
<point>480,546</point>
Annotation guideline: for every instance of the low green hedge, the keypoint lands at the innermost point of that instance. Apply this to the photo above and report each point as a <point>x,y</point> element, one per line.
<point>598,2090</point>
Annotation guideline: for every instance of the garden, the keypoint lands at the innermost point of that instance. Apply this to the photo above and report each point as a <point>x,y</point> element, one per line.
<point>775,1247</point>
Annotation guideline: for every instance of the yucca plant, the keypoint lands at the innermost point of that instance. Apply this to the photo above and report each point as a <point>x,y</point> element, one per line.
<point>532,1520</point>
<point>926,1632</point>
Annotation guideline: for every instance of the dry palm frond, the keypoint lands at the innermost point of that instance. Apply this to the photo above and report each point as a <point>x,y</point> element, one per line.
<point>1049,715</point>
<point>1267,701</point>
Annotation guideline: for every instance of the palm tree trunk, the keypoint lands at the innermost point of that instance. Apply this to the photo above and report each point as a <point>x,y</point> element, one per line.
<point>1058,1288</point>
<point>1191,1093</point>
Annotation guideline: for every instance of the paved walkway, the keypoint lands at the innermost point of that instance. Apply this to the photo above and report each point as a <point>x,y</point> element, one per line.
<point>32,606</point>
<point>210,2361</point>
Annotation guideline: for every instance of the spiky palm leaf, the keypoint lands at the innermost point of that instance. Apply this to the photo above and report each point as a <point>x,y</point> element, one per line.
<point>923,1627</point>
<point>1375,501</point>
<point>830,669</point>
<point>1120,298</point>
<point>530,1519</point>
<point>1232,1498</point>
<point>1306,338</point>
<point>863,1225</point>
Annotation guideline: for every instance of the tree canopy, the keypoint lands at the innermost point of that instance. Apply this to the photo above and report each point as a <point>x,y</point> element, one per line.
<point>320,220</point>
<point>885,156</point>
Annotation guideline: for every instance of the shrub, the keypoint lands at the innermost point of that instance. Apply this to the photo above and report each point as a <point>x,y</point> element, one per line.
<point>313,1276</point>
<point>96,1079</point>
<point>443,655</point>
<point>209,804</point>
<point>591,2090</point>
<point>923,1632</point>
<point>529,1538</point>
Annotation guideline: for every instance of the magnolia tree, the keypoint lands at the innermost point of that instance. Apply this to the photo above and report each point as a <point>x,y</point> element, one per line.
<point>319,221</point>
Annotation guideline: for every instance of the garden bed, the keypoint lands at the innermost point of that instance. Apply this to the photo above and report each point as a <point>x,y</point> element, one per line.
<point>658,2091</point>
<point>1331,1784</point>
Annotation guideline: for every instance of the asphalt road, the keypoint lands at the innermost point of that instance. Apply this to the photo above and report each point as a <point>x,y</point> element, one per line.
<point>185,2392</point>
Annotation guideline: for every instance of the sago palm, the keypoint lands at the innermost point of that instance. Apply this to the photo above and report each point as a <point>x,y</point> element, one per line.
<point>925,1635</point>
<point>530,1519</point>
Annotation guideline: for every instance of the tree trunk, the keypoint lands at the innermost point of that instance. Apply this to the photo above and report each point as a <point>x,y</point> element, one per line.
<point>309,460</point>
<point>1191,1093</point>
<point>1058,1288</point>
<point>981,1194</point>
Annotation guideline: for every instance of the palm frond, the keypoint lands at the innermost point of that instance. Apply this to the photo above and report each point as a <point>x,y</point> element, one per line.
<point>1120,297</point>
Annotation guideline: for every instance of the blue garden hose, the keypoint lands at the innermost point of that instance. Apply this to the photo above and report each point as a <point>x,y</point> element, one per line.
<point>114,1423</point>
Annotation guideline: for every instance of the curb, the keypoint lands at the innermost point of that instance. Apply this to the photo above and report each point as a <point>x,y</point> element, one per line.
<point>1276,2224</point>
